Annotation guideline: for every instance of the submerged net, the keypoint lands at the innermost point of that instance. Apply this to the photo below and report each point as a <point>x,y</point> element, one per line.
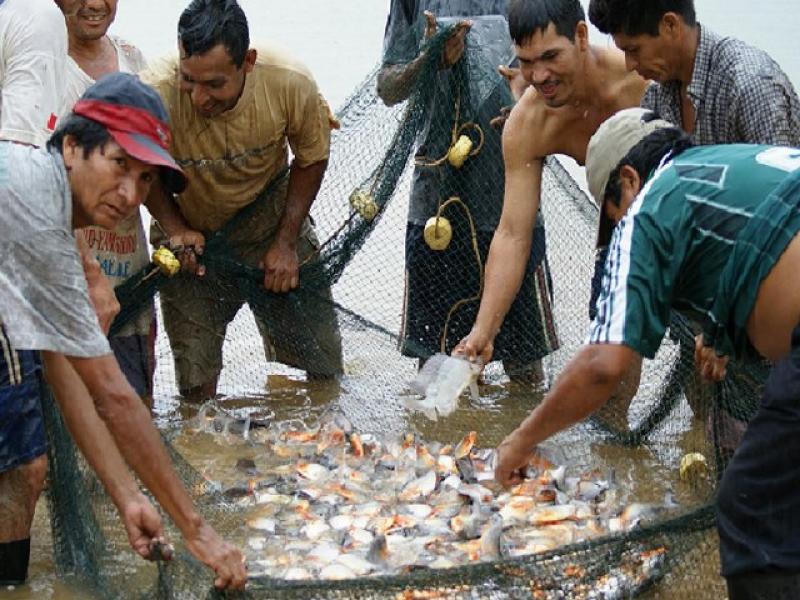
<point>356,276</point>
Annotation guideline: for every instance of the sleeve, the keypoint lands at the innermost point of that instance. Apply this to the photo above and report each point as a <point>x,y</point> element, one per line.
<point>161,74</point>
<point>638,279</point>
<point>35,52</point>
<point>45,304</point>
<point>308,125</point>
<point>400,43</point>
<point>766,108</point>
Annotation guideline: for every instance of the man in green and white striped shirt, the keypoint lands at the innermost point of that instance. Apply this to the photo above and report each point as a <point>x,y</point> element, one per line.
<point>674,240</point>
<point>713,232</point>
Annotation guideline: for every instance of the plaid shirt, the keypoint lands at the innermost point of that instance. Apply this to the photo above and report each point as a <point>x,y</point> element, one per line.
<point>740,95</point>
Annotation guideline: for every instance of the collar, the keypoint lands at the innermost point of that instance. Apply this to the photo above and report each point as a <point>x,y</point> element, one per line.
<point>702,63</point>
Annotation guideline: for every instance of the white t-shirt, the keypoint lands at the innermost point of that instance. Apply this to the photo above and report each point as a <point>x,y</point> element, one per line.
<point>44,300</point>
<point>129,58</point>
<point>33,49</point>
<point>122,252</point>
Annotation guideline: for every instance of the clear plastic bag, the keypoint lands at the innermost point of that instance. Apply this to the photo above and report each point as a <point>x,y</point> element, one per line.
<point>441,381</point>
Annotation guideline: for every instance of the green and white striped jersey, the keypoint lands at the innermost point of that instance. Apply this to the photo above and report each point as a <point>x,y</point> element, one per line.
<point>699,238</point>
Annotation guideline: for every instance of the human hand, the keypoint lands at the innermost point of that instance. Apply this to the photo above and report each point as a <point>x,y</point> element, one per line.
<point>513,455</point>
<point>281,267</point>
<point>476,345</point>
<point>709,364</point>
<point>187,245</point>
<point>499,122</point>
<point>144,527</point>
<point>455,45</point>
<point>225,559</point>
<point>516,82</point>
<point>101,292</point>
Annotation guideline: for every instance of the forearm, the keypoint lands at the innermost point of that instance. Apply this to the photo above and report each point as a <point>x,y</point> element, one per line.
<point>88,430</point>
<point>584,386</point>
<point>136,437</point>
<point>396,82</point>
<point>164,210</point>
<point>505,270</point>
<point>304,184</point>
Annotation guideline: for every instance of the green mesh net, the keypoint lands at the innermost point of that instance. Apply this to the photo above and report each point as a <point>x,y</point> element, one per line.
<point>354,277</point>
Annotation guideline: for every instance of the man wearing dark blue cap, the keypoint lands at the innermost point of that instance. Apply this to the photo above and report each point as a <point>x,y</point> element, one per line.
<point>98,168</point>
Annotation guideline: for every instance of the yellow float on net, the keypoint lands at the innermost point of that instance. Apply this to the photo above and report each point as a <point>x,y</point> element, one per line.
<point>165,260</point>
<point>693,466</point>
<point>438,233</point>
<point>460,151</point>
<point>364,204</point>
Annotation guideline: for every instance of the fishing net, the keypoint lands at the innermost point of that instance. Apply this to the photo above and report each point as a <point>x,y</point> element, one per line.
<point>667,449</point>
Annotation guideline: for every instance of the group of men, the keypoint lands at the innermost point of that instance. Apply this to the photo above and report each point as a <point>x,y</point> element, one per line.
<point>206,148</point>
<point>706,229</point>
<point>228,115</point>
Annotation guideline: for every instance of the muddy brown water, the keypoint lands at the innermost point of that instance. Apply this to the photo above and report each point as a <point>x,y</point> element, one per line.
<point>640,472</point>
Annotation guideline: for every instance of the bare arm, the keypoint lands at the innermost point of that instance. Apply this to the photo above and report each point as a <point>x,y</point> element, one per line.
<point>511,244</point>
<point>396,82</point>
<point>587,383</point>
<point>141,520</point>
<point>281,264</point>
<point>135,436</point>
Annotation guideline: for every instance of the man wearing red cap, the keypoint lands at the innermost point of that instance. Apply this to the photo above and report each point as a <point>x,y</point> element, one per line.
<point>123,252</point>
<point>99,167</point>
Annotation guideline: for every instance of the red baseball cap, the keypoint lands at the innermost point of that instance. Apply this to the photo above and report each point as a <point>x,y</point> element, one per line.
<point>136,118</point>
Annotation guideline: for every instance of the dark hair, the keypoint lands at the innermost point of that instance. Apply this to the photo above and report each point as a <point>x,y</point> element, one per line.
<point>645,157</point>
<point>637,17</point>
<point>526,17</point>
<point>207,23</point>
<point>91,135</point>
<point>88,134</point>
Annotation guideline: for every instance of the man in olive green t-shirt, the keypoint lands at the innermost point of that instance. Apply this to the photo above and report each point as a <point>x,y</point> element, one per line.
<point>235,112</point>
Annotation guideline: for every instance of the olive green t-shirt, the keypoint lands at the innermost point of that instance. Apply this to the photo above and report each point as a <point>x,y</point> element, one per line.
<point>230,158</point>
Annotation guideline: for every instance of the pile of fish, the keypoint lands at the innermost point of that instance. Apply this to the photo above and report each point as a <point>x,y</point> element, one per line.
<point>328,503</point>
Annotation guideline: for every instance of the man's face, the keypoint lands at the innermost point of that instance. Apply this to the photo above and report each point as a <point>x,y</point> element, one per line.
<point>88,19</point>
<point>212,80</point>
<point>551,63</point>
<point>650,56</point>
<point>108,186</point>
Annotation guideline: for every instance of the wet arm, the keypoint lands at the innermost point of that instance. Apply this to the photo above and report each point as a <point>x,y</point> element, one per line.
<point>172,223</point>
<point>396,82</point>
<point>164,210</point>
<point>304,184</point>
<point>129,424</point>
<point>88,430</point>
<point>585,385</point>
<point>510,249</point>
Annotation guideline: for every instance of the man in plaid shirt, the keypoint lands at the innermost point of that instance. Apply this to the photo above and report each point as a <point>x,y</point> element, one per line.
<point>718,89</point>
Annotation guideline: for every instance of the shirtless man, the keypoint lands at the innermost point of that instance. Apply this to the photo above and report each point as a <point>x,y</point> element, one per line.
<point>574,87</point>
